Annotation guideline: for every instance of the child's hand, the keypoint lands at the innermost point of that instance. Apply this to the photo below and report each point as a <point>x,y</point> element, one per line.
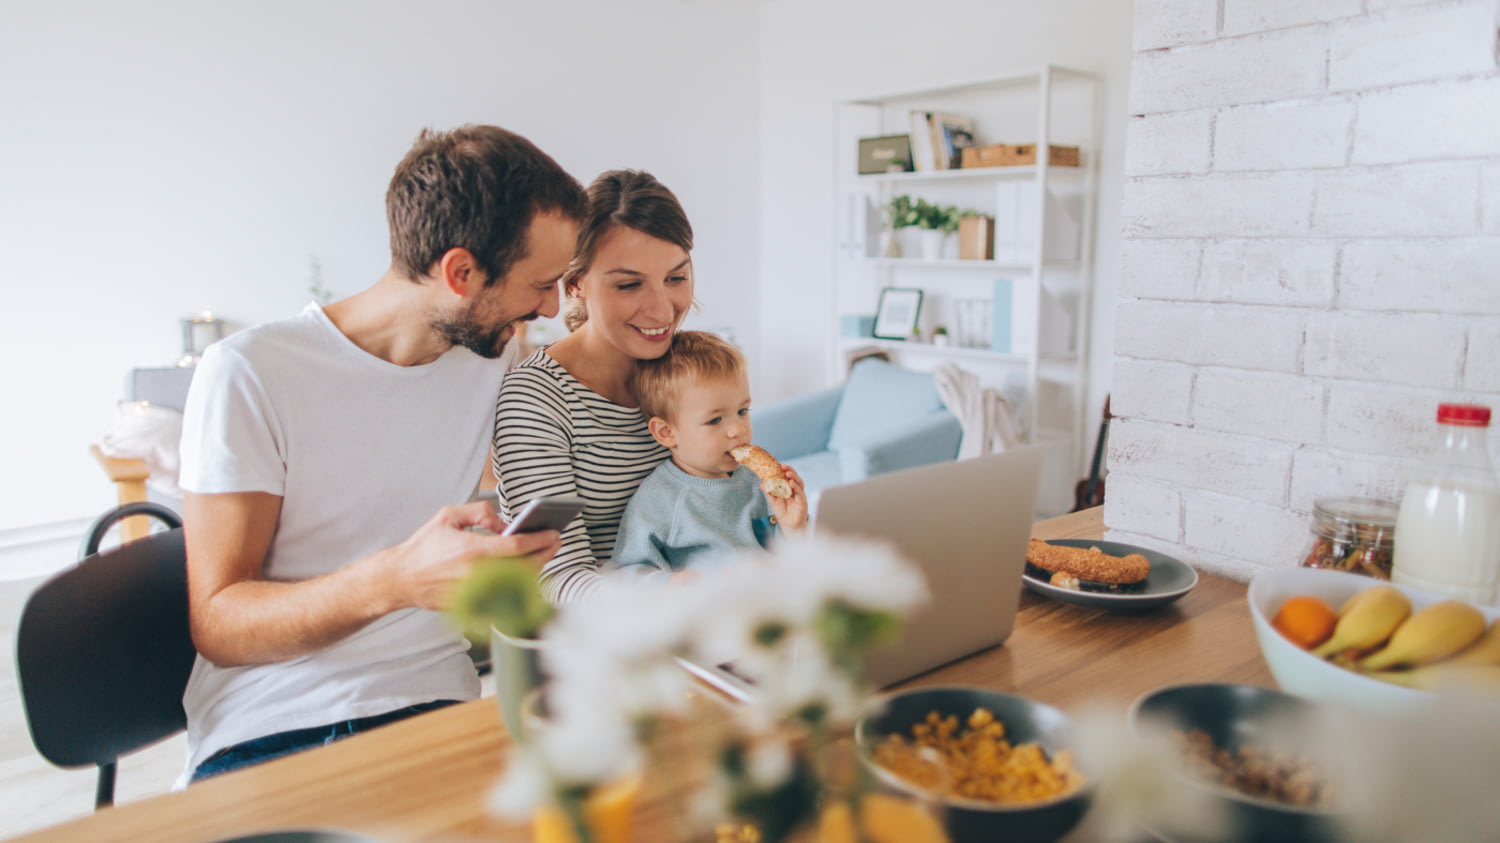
<point>791,513</point>
<point>684,577</point>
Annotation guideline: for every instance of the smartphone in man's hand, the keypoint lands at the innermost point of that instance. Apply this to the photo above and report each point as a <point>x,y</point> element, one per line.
<point>545,513</point>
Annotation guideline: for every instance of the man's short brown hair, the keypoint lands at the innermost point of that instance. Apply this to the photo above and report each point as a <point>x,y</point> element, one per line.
<point>476,188</point>
<point>694,356</point>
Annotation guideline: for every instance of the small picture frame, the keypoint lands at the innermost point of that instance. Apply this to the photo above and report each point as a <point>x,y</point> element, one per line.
<point>897,316</point>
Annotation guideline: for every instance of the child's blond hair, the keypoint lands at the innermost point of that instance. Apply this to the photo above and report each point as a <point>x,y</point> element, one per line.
<point>694,356</point>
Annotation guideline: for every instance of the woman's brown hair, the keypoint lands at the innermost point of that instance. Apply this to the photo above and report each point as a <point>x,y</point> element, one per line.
<point>629,198</point>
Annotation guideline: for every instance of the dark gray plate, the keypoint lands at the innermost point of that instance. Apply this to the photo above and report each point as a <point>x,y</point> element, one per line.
<point>1169,579</point>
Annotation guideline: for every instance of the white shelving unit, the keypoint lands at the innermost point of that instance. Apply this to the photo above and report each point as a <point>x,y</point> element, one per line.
<point>1045,371</point>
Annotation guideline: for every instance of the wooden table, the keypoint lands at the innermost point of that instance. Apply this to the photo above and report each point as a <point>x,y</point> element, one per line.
<point>425,779</point>
<point>129,476</point>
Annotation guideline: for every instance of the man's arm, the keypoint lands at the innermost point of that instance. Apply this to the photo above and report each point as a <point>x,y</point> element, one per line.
<point>238,617</point>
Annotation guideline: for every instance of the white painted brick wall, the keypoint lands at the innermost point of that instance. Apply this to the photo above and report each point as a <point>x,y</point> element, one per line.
<point>1383,421</point>
<point>1241,466</point>
<point>1151,390</point>
<point>1232,526</point>
<point>1341,474</point>
<point>1283,136</point>
<point>1285,272</point>
<point>1240,205</point>
<point>1256,68</point>
<point>1429,199</point>
<point>1209,334</point>
<point>1171,23</point>
<point>1159,269</point>
<point>1441,275</point>
<point>1160,144</point>
<point>1431,42</point>
<point>1423,122</point>
<point>1490,188</point>
<point>1272,406</point>
<point>1245,16</point>
<point>1482,366</point>
<point>1154,508</point>
<point>1294,307</point>
<point>1402,349</point>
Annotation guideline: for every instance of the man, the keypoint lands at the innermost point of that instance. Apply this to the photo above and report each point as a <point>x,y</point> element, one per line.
<point>317,449</point>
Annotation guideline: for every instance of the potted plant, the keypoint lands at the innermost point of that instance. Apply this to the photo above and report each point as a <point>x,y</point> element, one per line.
<point>937,222</point>
<point>900,213</point>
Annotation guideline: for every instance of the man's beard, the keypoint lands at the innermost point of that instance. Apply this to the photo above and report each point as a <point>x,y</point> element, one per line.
<point>482,339</point>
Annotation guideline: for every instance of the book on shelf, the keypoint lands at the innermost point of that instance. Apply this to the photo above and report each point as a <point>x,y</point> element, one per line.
<point>923,155</point>
<point>952,134</point>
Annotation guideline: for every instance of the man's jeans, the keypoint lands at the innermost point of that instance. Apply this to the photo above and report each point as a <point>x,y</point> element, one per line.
<point>285,743</point>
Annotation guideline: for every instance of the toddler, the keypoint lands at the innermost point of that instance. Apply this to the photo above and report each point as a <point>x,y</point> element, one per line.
<point>701,502</point>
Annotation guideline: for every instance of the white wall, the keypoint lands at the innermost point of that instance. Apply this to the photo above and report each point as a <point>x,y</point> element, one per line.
<point>165,156</point>
<point>1312,222</point>
<point>815,53</point>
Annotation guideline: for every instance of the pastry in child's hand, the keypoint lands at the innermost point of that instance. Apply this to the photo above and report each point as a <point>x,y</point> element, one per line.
<point>765,466</point>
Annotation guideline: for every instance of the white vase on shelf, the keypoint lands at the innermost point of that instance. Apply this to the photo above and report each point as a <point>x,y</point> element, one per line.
<point>890,246</point>
<point>932,244</point>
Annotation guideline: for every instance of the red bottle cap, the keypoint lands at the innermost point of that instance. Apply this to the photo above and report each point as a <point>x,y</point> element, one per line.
<point>1468,415</point>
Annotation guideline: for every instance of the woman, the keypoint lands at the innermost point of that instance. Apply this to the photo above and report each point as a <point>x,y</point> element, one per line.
<point>566,420</point>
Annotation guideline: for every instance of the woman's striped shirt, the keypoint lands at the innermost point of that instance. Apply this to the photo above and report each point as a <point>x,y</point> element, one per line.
<point>555,436</point>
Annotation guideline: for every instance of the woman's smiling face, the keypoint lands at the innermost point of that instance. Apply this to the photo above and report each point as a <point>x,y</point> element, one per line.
<point>637,289</point>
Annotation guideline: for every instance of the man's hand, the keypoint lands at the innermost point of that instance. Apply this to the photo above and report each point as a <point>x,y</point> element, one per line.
<point>426,567</point>
<point>791,513</point>
<point>239,617</point>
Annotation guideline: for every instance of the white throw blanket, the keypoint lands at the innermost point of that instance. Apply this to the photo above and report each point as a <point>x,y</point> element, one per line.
<point>983,413</point>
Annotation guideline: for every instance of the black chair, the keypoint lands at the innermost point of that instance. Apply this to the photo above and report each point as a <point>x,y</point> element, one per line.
<point>103,650</point>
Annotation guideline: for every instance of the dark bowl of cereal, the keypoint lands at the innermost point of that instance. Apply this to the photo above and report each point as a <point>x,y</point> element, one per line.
<point>1254,752</point>
<point>1000,766</point>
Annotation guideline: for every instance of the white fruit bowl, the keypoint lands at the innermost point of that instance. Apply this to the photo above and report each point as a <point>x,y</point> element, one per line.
<point>1300,672</point>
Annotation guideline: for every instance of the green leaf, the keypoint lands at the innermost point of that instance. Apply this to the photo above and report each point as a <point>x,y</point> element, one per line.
<point>502,592</point>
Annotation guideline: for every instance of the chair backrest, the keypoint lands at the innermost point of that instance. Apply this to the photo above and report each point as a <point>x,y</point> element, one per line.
<point>880,396</point>
<point>103,650</point>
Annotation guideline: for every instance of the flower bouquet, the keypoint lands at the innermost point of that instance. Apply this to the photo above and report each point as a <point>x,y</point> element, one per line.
<point>798,623</point>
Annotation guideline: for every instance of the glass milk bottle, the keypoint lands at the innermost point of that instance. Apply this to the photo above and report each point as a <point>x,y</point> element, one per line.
<point>1448,527</point>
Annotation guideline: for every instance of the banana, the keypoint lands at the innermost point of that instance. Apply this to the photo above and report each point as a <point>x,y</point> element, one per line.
<point>1366,620</point>
<point>1429,635</point>
<point>1485,651</point>
<point>1445,676</point>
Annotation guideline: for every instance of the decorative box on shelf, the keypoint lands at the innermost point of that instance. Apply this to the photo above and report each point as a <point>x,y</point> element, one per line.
<point>1016,155</point>
<point>885,154</point>
<point>976,238</point>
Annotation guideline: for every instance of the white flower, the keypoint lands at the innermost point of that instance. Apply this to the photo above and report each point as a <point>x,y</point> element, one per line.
<point>768,762</point>
<point>1427,773</point>
<point>1135,781</point>
<point>866,574</point>
<point>522,789</point>
<point>805,679</point>
<point>587,748</point>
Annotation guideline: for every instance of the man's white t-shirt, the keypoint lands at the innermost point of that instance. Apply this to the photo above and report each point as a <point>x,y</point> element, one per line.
<point>362,452</point>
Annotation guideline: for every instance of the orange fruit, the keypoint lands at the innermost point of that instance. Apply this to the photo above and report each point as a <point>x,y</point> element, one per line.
<point>1305,620</point>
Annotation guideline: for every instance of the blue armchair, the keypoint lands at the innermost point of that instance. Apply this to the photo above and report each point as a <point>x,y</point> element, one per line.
<point>885,418</point>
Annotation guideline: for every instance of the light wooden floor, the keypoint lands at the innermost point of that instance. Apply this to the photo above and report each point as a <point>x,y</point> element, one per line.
<point>33,793</point>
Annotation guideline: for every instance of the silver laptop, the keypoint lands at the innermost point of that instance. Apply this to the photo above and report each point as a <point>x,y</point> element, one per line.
<point>965,524</point>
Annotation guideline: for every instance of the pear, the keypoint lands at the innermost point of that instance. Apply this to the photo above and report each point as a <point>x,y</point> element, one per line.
<point>1366,620</point>
<point>1429,635</point>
